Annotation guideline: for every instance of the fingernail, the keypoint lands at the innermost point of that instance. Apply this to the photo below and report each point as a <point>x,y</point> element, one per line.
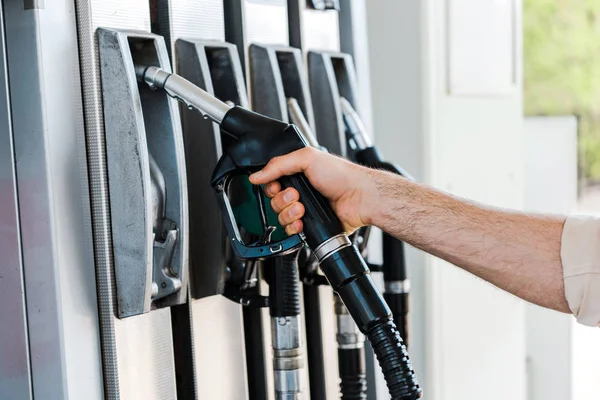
<point>295,211</point>
<point>289,197</point>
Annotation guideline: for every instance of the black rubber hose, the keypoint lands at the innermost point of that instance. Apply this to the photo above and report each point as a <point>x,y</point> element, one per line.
<point>350,279</point>
<point>353,374</point>
<point>399,305</point>
<point>284,286</point>
<point>393,359</point>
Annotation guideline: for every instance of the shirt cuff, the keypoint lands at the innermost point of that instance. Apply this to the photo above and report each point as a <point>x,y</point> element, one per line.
<point>580,254</point>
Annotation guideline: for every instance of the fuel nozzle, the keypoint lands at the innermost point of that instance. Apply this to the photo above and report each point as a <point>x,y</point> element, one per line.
<point>397,284</point>
<point>183,90</point>
<point>360,142</point>
<point>356,133</point>
<point>297,118</point>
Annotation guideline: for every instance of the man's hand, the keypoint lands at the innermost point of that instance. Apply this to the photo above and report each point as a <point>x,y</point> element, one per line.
<point>517,252</point>
<point>349,187</point>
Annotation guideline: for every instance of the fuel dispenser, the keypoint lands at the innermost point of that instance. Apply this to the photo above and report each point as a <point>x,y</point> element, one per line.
<point>181,274</point>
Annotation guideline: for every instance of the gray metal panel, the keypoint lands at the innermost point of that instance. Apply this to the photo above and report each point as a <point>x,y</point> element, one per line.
<point>278,73</point>
<point>325,95</point>
<point>266,22</point>
<point>124,364</point>
<point>208,257</point>
<point>129,172</point>
<point>215,322</point>
<point>52,181</point>
<point>144,150</point>
<point>145,356</point>
<point>39,257</point>
<point>219,351</point>
<point>191,19</point>
<point>312,29</point>
<point>268,96</point>
<point>15,377</point>
<point>320,30</point>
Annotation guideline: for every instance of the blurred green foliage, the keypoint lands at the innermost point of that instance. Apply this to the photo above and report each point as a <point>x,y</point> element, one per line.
<point>562,68</point>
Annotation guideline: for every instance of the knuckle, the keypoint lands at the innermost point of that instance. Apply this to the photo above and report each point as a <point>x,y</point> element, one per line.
<point>308,153</point>
<point>297,211</point>
<point>272,189</point>
<point>275,203</point>
<point>289,230</point>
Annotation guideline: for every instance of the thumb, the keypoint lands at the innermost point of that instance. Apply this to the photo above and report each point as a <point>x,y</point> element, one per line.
<point>293,163</point>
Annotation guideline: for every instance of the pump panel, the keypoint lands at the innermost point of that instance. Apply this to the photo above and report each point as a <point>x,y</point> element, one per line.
<point>215,67</point>
<point>148,191</point>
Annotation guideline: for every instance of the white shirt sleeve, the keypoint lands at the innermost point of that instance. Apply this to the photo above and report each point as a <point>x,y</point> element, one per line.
<point>580,253</point>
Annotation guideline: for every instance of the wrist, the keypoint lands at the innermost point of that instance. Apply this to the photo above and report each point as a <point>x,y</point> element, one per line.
<point>388,193</point>
<point>374,197</point>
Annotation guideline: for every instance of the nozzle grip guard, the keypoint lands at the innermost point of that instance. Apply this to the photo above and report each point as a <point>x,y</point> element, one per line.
<point>240,249</point>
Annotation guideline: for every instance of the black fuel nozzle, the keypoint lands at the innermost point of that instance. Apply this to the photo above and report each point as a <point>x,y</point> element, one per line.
<point>397,285</point>
<point>360,142</point>
<point>259,139</point>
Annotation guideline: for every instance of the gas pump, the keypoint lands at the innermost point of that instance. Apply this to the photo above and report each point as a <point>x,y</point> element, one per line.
<point>257,140</point>
<point>139,270</point>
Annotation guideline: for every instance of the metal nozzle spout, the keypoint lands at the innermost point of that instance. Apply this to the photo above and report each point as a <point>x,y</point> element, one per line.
<point>297,118</point>
<point>354,125</point>
<point>184,91</point>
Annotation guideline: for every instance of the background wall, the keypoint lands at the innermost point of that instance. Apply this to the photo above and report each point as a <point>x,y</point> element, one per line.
<point>468,337</point>
<point>550,187</point>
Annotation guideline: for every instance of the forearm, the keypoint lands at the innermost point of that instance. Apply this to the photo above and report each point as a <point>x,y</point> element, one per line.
<point>517,252</point>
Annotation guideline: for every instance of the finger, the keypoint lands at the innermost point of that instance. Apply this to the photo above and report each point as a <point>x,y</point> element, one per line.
<point>294,227</point>
<point>293,163</point>
<point>284,199</point>
<point>272,188</point>
<point>291,214</point>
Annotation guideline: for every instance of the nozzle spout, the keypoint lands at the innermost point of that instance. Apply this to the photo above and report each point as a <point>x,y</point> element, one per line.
<point>354,125</point>
<point>184,91</point>
<point>297,118</point>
